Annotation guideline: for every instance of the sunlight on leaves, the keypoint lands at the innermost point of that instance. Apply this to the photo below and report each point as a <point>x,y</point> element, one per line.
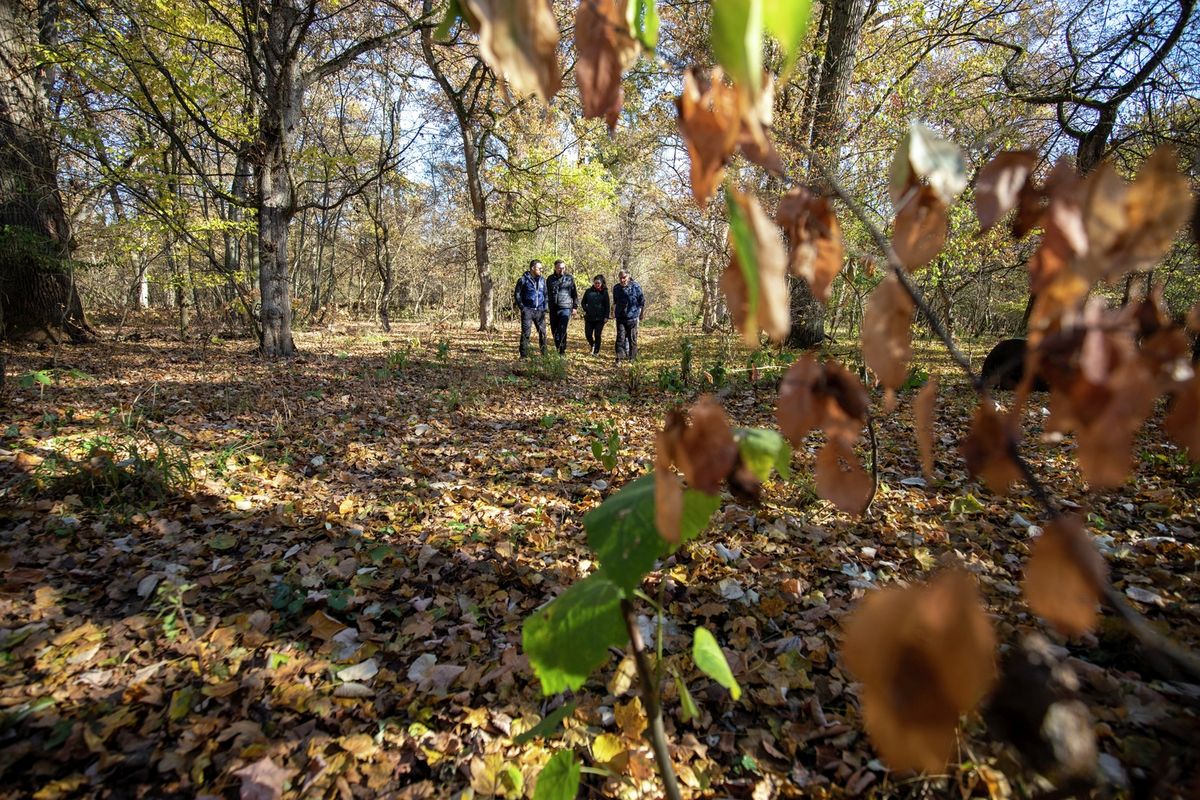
<point>710,658</point>
<point>519,41</point>
<point>570,636</point>
<point>559,779</point>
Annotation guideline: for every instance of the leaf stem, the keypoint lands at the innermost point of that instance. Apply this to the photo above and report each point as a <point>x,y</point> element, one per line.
<point>650,697</point>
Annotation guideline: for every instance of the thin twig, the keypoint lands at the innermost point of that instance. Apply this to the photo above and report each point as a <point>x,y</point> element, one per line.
<point>874,461</point>
<point>1165,654</point>
<point>656,732</point>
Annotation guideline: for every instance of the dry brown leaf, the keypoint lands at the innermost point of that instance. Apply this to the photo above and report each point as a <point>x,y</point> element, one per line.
<point>841,479</point>
<point>923,408</point>
<point>815,249</point>
<point>1065,577</point>
<point>920,229</point>
<point>668,493</point>
<point>263,780</point>
<point>606,49</point>
<point>1132,227</point>
<point>771,310</point>
<point>519,41</point>
<point>987,449</point>
<point>706,451</point>
<point>827,396</point>
<point>1183,420</point>
<point>925,654</point>
<point>1000,185</point>
<point>755,114</point>
<point>886,338</point>
<point>710,125</point>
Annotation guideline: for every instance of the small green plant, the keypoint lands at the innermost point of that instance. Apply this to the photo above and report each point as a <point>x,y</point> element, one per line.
<point>687,350</point>
<point>140,469</point>
<point>716,374</point>
<point>606,443</point>
<point>550,367</point>
<point>397,360</point>
<point>669,380</point>
<point>172,611</point>
<point>443,350</point>
<point>917,377</point>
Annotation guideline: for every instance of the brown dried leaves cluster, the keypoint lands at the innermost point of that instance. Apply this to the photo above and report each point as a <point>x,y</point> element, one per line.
<point>606,48</point>
<point>925,654</point>
<point>830,398</point>
<point>519,41</point>
<point>700,444</point>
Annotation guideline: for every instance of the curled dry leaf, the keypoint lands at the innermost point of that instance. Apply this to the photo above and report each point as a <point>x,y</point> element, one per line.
<point>1000,185</point>
<point>701,444</point>
<point>709,125</point>
<point>920,229</point>
<point>263,780</point>
<point>826,396</point>
<point>1130,227</point>
<point>755,113</point>
<point>1183,420</point>
<point>519,41</point>
<point>755,283</point>
<point>668,493</point>
<point>606,49</point>
<point>886,338</point>
<point>988,448</point>
<point>923,408</point>
<point>815,249</point>
<point>841,479</point>
<point>1065,577</point>
<point>925,654</point>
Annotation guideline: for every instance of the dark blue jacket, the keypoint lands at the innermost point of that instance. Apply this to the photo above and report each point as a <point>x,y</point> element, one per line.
<point>561,292</point>
<point>628,301</point>
<point>530,292</point>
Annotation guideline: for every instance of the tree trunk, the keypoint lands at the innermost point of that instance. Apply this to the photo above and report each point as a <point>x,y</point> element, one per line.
<point>37,290</point>
<point>845,27</point>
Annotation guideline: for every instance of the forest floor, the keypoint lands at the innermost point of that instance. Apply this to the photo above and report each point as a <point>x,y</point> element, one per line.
<point>320,567</point>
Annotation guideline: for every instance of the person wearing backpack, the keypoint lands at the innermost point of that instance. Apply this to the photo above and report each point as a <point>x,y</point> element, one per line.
<point>596,309</point>
<point>629,306</point>
<point>562,298</point>
<point>529,296</point>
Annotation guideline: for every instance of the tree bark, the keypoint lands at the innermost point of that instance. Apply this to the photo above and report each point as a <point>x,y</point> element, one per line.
<point>37,289</point>
<point>845,24</point>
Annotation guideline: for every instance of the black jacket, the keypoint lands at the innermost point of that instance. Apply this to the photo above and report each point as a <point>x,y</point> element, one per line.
<point>560,292</point>
<point>595,303</point>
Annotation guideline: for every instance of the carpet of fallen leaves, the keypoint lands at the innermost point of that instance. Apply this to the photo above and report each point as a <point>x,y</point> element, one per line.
<point>308,578</point>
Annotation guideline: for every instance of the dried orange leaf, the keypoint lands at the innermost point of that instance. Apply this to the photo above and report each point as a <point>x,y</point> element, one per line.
<point>519,41</point>
<point>668,500</point>
<point>1065,577</point>
<point>706,451</point>
<point>1183,420</point>
<point>815,249</point>
<point>606,49</point>
<point>710,124</point>
<point>755,282</point>
<point>920,230</point>
<point>841,479</point>
<point>999,185</point>
<point>755,112</point>
<point>886,342</point>
<point>800,409</point>
<point>988,448</point>
<point>923,407</point>
<point>925,654</point>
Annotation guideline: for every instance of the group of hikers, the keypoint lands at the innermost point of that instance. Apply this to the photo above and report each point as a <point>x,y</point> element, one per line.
<point>536,296</point>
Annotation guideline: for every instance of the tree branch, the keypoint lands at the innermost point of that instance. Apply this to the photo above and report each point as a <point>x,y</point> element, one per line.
<point>656,732</point>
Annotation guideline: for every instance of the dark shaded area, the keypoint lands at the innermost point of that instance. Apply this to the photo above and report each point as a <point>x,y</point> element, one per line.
<point>1004,367</point>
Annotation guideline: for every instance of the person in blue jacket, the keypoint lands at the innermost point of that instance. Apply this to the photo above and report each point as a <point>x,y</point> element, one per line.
<point>529,296</point>
<point>629,306</point>
<point>563,299</point>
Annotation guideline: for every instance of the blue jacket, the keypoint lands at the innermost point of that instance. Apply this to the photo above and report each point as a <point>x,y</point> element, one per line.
<point>530,292</point>
<point>628,301</point>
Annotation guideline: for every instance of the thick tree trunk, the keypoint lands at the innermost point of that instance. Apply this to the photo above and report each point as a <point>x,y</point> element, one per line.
<point>37,290</point>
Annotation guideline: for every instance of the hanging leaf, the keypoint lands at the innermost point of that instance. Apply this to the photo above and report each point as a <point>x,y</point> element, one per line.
<point>454,11</point>
<point>702,445</point>
<point>687,704</point>
<point>988,448</point>
<point>925,654</point>
<point>761,450</point>
<point>737,40</point>
<point>710,658</point>
<point>825,396</point>
<point>1000,183</point>
<point>923,415</point>
<point>559,779</point>
<point>841,479</point>
<point>570,637</point>
<point>1065,577</point>
<point>1183,420</point>
<point>642,18</point>
<point>668,499</point>
<point>754,283</point>
<point>815,249</point>
<point>519,41</point>
<point>920,229</point>
<point>886,337</point>
<point>606,49</point>
<point>709,123</point>
<point>925,156</point>
<point>755,110</point>
<point>787,21</point>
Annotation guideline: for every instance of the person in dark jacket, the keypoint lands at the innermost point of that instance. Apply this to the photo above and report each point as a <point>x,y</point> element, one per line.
<point>561,295</point>
<point>629,306</point>
<point>529,296</point>
<point>595,311</point>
